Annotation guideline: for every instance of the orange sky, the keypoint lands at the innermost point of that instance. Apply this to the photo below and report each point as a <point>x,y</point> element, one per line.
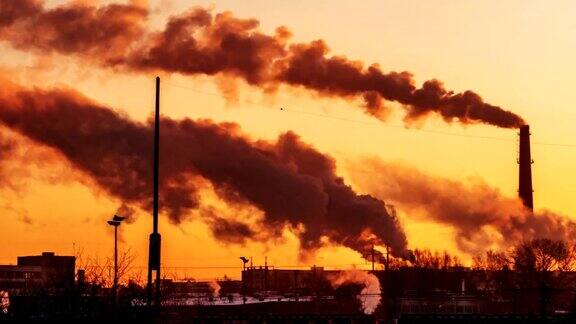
<point>516,54</point>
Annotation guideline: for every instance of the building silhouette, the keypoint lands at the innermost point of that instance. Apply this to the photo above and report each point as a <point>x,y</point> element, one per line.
<point>46,271</point>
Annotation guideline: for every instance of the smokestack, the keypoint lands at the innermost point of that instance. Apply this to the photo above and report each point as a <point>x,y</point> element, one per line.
<point>525,170</point>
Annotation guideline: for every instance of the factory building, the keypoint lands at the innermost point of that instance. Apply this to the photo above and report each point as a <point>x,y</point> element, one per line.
<point>302,281</point>
<point>47,271</point>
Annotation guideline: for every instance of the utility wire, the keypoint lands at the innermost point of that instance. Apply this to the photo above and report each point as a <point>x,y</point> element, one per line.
<point>207,267</point>
<point>378,124</point>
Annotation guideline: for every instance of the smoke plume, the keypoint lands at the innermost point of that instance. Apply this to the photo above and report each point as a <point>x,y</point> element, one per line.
<point>7,148</point>
<point>481,216</point>
<point>293,184</point>
<point>370,295</point>
<point>74,28</point>
<point>127,211</point>
<point>215,286</point>
<point>200,42</point>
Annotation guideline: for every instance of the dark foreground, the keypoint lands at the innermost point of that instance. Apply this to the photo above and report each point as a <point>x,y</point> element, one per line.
<point>285,312</point>
<point>307,318</point>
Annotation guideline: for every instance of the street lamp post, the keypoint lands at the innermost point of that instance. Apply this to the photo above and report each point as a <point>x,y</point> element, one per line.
<point>244,261</point>
<point>115,221</point>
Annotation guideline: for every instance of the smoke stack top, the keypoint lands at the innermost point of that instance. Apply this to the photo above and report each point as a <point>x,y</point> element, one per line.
<point>525,170</point>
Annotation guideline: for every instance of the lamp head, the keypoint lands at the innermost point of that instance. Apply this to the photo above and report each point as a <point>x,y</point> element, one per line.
<point>114,223</point>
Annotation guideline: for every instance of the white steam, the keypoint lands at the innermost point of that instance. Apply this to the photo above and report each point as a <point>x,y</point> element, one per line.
<point>370,295</point>
<point>215,288</point>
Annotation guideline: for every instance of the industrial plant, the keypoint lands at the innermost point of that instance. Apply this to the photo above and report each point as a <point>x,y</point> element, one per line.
<point>417,288</point>
<point>234,204</point>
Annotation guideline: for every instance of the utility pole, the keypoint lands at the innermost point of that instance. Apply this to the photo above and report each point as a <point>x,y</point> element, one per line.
<point>115,221</point>
<point>252,279</point>
<point>115,289</point>
<point>244,278</point>
<point>155,238</point>
<point>266,273</point>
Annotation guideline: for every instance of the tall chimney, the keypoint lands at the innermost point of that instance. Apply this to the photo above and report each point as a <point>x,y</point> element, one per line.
<point>525,170</point>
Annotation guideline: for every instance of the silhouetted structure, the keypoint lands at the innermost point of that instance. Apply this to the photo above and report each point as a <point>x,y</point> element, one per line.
<point>14,278</point>
<point>443,293</point>
<point>35,285</point>
<point>525,170</point>
<point>447,292</point>
<point>301,281</point>
<point>155,238</point>
<point>56,271</point>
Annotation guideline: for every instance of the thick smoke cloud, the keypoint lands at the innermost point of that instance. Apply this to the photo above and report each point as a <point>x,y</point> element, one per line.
<point>199,42</point>
<point>308,65</point>
<point>228,230</point>
<point>289,181</point>
<point>75,28</point>
<point>7,148</point>
<point>481,216</point>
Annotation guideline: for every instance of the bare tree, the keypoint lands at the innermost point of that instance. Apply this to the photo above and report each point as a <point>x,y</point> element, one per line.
<point>434,260</point>
<point>492,261</point>
<point>541,255</point>
<point>100,272</point>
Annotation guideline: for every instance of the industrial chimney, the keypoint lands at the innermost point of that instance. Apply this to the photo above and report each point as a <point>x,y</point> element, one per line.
<point>525,170</point>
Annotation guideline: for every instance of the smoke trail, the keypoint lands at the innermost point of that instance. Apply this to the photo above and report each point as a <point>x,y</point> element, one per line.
<point>127,211</point>
<point>482,217</point>
<point>289,181</point>
<point>74,28</point>
<point>7,148</point>
<point>228,230</point>
<point>370,295</point>
<point>199,42</point>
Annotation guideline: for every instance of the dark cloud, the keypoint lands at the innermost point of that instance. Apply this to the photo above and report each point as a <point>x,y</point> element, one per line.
<point>75,28</point>
<point>292,183</point>
<point>8,148</point>
<point>481,216</point>
<point>200,42</point>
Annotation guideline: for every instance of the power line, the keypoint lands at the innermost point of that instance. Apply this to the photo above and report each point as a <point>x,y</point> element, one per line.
<point>378,124</point>
<point>208,267</point>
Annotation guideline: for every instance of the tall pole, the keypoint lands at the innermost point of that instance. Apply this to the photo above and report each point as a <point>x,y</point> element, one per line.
<point>243,284</point>
<point>115,288</point>
<point>155,238</point>
<point>115,221</point>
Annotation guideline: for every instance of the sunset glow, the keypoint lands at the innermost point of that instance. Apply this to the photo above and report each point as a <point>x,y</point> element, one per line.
<point>289,127</point>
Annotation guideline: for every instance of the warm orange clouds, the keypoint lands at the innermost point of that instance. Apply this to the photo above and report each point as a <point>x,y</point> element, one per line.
<point>482,217</point>
<point>198,42</point>
<point>110,52</point>
<point>75,28</point>
<point>292,183</point>
<point>7,148</point>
